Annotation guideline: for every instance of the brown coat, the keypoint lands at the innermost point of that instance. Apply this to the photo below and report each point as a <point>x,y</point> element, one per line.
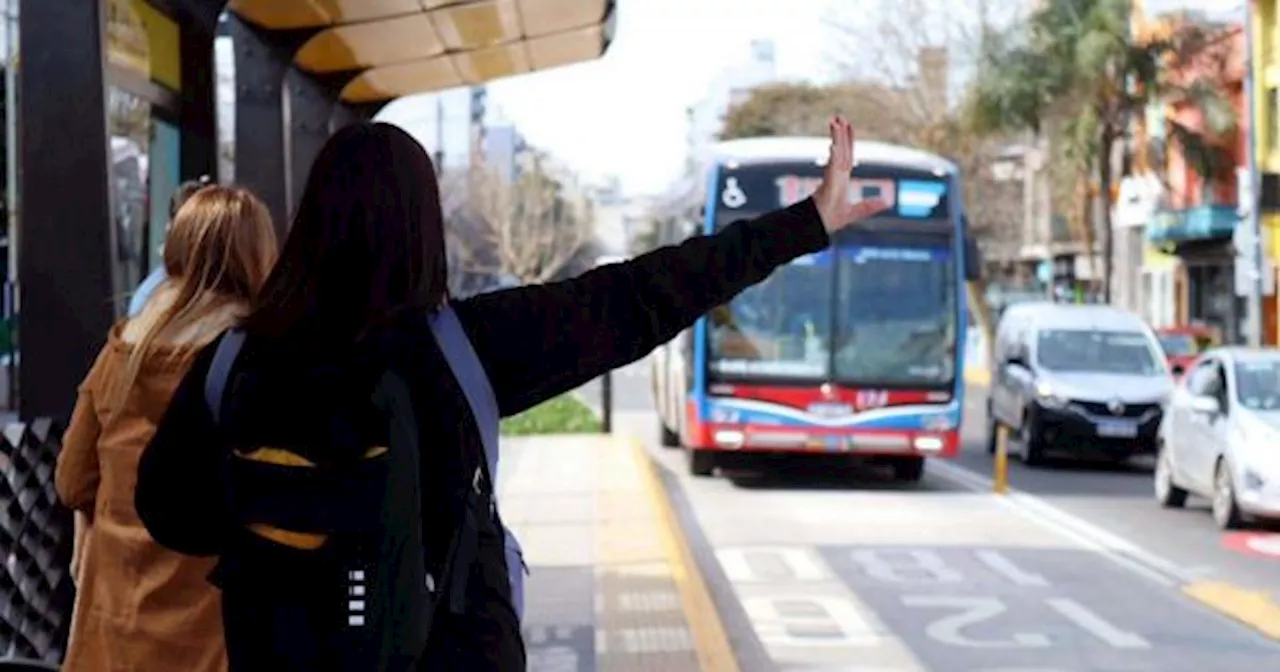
<point>140,607</point>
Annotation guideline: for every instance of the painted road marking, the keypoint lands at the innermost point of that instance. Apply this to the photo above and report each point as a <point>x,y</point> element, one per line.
<point>1005,567</point>
<point>1254,609</point>
<point>1257,544</point>
<point>812,621</point>
<point>973,610</point>
<point>770,564</point>
<point>1087,620</point>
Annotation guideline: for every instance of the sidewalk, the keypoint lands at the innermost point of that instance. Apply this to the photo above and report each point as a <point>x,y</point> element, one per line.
<point>611,580</point>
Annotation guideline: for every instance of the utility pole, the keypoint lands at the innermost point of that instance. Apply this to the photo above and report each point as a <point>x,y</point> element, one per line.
<point>1250,264</point>
<point>439,157</point>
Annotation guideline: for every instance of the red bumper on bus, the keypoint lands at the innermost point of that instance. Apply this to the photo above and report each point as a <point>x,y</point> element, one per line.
<point>745,438</point>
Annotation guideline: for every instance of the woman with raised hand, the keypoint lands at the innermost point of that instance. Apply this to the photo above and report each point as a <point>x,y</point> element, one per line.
<point>360,289</point>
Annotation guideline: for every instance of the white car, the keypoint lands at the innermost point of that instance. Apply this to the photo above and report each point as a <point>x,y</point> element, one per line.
<point>1220,436</point>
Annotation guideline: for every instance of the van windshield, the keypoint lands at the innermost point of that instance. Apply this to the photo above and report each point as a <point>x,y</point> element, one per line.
<point>1087,351</point>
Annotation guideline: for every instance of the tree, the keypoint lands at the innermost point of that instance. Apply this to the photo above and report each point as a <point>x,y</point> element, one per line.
<point>530,229</point>
<point>804,109</point>
<point>1076,62</point>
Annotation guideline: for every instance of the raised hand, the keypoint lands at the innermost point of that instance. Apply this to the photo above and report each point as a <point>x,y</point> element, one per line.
<point>832,196</point>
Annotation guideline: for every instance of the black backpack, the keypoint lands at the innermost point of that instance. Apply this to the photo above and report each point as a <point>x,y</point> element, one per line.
<point>364,520</point>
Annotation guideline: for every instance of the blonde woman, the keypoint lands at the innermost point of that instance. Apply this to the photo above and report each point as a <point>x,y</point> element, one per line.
<point>141,606</point>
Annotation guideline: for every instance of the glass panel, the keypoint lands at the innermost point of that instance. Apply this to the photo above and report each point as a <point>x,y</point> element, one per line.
<point>1081,350</point>
<point>165,171</point>
<point>142,39</point>
<point>129,126</point>
<point>896,315</point>
<point>780,327</point>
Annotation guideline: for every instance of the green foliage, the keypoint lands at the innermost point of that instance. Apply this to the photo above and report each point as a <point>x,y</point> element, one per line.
<point>563,415</point>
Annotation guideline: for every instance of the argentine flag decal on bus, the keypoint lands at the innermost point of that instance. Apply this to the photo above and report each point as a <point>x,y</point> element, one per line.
<point>917,198</point>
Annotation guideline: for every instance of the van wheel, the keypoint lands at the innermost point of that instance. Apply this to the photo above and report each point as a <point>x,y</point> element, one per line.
<point>993,435</point>
<point>668,438</point>
<point>1032,444</point>
<point>908,469</point>
<point>701,462</point>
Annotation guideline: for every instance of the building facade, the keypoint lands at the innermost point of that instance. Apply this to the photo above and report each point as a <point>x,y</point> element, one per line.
<point>1192,260</point>
<point>1265,63</point>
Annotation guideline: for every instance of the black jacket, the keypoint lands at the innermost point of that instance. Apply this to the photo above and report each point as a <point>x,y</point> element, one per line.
<point>535,343</point>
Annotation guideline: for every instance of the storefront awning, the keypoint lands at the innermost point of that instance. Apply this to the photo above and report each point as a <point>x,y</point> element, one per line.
<point>1202,222</point>
<point>394,48</point>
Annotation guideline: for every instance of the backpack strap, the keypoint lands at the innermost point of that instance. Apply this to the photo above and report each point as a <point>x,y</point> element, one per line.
<point>466,367</point>
<point>215,383</point>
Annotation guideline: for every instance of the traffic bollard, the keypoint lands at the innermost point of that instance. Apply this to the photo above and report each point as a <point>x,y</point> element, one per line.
<point>1000,483</point>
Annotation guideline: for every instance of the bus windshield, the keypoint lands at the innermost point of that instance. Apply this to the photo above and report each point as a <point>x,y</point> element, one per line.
<point>778,328</point>
<point>896,315</point>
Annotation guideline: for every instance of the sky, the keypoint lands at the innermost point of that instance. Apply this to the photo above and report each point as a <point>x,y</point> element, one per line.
<point>624,115</point>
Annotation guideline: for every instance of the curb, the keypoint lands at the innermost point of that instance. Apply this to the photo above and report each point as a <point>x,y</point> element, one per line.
<point>1253,609</point>
<point>711,643</point>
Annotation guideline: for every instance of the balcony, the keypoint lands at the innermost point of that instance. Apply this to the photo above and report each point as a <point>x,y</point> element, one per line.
<point>1198,223</point>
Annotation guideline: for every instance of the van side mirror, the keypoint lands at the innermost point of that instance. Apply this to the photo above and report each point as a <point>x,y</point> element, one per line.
<point>972,259</point>
<point>1205,405</point>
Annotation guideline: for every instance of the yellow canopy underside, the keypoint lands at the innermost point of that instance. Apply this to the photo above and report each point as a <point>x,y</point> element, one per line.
<point>402,47</point>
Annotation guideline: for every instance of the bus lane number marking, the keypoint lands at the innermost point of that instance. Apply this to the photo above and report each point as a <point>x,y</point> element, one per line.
<point>975,610</point>
<point>810,621</point>
<point>771,565</point>
<point>914,566</point>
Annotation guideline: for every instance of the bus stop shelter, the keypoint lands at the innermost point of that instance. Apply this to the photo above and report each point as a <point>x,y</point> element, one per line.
<point>303,68</point>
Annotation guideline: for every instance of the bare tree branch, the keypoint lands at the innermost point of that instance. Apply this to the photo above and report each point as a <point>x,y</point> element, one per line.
<point>528,228</point>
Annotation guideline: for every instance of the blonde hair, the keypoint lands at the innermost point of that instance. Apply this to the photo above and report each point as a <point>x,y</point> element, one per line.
<point>217,255</point>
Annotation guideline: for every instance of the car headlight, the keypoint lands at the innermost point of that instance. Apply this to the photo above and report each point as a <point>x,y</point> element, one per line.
<point>1046,397</point>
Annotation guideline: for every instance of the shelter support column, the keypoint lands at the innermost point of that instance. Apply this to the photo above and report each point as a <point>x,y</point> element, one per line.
<point>308,110</point>
<point>260,146</point>
<point>64,259</point>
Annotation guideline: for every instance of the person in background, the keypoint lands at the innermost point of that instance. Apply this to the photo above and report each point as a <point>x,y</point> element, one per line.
<point>149,284</point>
<point>139,606</point>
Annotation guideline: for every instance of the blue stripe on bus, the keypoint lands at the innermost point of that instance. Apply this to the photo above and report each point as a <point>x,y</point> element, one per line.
<point>907,418</point>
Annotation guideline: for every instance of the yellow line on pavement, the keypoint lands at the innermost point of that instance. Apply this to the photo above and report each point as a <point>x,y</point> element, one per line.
<point>708,632</point>
<point>1253,608</point>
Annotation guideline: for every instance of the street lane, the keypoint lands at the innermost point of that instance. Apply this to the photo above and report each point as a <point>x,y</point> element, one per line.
<point>823,567</point>
<point>1119,500</point>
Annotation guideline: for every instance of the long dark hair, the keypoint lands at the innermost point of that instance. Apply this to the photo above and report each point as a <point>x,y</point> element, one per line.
<point>366,243</point>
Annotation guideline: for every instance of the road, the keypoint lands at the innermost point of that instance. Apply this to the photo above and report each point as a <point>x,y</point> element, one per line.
<point>1078,570</point>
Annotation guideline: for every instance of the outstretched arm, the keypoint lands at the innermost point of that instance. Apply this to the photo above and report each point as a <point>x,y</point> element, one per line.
<point>540,341</point>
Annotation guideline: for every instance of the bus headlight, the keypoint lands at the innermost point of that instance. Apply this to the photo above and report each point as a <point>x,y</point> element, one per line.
<point>730,438</point>
<point>928,444</point>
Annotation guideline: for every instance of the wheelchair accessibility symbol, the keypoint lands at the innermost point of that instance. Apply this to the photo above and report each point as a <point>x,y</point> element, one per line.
<point>733,196</point>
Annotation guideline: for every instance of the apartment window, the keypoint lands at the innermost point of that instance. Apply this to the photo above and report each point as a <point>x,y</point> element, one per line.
<point>1272,114</point>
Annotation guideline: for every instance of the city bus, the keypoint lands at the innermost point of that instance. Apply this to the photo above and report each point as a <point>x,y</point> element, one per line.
<point>857,350</point>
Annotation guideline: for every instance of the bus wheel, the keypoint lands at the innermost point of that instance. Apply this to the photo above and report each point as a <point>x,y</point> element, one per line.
<point>909,469</point>
<point>701,462</point>
<point>668,438</point>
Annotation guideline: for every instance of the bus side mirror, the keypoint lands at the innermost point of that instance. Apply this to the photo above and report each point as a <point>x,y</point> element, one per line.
<point>972,260</point>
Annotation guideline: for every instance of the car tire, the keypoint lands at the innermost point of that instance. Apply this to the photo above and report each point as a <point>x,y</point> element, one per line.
<point>1225,507</point>
<point>993,432</point>
<point>667,438</point>
<point>907,469</point>
<point>1168,494</point>
<point>1032,444</point>
<point>702,463</point>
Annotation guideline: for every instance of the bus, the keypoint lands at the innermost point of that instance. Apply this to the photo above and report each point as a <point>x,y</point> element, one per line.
<point>856,350</point>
